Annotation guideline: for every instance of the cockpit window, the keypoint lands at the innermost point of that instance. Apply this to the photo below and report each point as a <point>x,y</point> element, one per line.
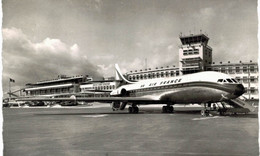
<point>234,80</point>
<point>229,81</point>
<point>220,80</point>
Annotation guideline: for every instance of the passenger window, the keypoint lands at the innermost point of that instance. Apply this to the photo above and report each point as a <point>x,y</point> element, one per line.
<point>168,82</point>
<point>179,80</point>
<point>176,81</point>
<point>172,81</point>
<point>229,81</point>
<point>164,82</point>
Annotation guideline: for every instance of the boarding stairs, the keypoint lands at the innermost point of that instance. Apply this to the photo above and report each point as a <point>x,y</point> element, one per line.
<point>240,105</point>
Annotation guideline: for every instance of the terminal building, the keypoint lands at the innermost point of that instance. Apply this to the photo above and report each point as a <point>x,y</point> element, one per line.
<point>65,86</point>
<point>62,86</point>
<point>98,88</point>
<point>195,56</point>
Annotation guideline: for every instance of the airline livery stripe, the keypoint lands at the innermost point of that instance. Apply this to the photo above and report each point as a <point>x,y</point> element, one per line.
<point>225,87</point>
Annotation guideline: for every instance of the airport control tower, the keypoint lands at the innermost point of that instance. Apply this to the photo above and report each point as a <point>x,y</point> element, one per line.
<point>194,53</point>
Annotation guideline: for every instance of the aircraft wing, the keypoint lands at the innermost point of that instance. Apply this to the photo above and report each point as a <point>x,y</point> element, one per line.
<point>138,100</point>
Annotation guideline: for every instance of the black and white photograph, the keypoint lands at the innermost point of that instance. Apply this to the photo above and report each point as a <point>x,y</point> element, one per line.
<point>130,77</point>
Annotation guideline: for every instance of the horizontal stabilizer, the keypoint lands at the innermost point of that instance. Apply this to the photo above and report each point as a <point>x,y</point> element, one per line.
<point>243,104</point>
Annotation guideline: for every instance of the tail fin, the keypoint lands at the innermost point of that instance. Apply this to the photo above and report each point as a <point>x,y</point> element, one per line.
<point>120,76</point>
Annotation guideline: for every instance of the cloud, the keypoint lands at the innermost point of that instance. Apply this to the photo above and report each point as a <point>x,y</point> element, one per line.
<point>74,48</point>
<point>28,62</point>
<point>50,46</point>
<point>106,70</point>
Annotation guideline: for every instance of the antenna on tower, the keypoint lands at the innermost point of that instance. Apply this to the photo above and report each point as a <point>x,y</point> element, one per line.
<point>145,63</point>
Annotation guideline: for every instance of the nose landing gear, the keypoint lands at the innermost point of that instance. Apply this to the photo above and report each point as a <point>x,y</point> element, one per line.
<point>207,109</point>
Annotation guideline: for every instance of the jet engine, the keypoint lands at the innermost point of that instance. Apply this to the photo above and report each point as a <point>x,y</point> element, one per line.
<point>118,105</point>
<point>115,106</point>
<point>124,93</point>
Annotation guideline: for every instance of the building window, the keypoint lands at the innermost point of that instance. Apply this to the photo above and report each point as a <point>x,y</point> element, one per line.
<point>252,79</point>
<point>245,69</point>
<point>252,69</point>
<point>252,90</point>
<point>223,70</point>
<point>244,79</point>
<point>209,69</point>
<point>215,69</point>
<point>237,69</point>
<point>162,74</point>
<point>230,69</point>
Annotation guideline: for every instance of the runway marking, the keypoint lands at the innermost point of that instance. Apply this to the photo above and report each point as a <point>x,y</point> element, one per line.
<point>95,116</point>
<point>206,118</point>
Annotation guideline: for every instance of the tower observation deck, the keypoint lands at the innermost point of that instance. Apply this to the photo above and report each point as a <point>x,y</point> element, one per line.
<point>193,39</point>
<point>194,53</point>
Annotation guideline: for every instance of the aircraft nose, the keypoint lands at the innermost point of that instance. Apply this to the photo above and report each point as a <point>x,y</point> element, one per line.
<point>239,90</point>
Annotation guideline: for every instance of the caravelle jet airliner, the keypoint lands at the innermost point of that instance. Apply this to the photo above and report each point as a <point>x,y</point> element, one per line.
<point>198,88</point>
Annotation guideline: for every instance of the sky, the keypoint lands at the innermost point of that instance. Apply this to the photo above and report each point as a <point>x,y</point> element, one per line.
<point>43,39</point>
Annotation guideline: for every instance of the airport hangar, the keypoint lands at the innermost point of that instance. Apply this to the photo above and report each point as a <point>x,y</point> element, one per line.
<point>195,55</point>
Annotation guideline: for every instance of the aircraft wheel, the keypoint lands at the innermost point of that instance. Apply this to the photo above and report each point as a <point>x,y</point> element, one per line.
<point>202,112</point>
<point>130,110</point>
<point>170,109</point>
<point>164,109</point>
<point>207,113</point>
<point>221,112</point>
<point>135,110</point>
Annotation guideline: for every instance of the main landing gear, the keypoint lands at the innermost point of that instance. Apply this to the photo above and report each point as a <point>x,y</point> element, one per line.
<point>133,109</point>
<point>167,109</point>
<point>205,111</point>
